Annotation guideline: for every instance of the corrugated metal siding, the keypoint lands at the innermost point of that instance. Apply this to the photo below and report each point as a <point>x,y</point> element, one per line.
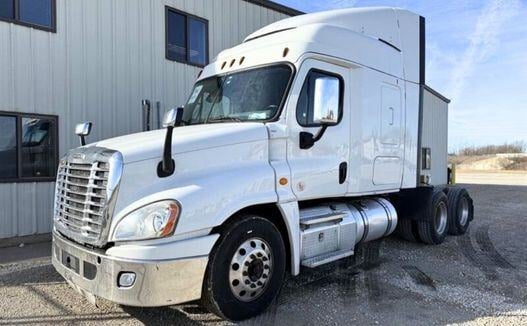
<point>435,136</point>
<point>106,56</point>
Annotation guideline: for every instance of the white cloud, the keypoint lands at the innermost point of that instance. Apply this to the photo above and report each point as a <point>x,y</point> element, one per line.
<point>476,56</point>
<point>482,42</point>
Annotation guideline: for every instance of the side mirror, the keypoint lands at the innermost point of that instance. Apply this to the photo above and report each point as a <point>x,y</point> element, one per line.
<point>82,130</point>
<point>172,119</point>
<point>326,105</point>
<point>326,101</point>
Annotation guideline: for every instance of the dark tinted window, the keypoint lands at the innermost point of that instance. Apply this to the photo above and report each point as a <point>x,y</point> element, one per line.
<point>8,147</point>
<point>28,147</point>
<point>36,12</point>
<point>7,9</point>
<point>197,42</point>
<point>186,38</point>
<point>39,14</point>
<point>176,36</point>
<point>38,147</point>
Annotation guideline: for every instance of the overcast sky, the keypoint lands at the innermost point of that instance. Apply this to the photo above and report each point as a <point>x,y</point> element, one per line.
<point>476,56</point>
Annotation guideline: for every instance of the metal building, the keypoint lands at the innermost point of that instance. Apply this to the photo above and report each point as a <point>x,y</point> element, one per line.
<point>65,61</point>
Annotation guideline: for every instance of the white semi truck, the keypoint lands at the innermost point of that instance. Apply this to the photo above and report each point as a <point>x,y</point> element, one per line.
<point>294,147</point>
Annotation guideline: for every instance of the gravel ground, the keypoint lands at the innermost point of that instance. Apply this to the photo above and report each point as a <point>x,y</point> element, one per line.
<point>476,279</point>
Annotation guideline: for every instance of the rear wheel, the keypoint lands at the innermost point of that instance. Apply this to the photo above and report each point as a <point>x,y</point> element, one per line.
<point>433,230</point>
<point>246,269</point>
<point>407,229</point>
<point>460,210</point>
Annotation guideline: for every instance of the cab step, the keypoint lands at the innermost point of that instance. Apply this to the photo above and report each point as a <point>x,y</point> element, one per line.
<point>326,258</point>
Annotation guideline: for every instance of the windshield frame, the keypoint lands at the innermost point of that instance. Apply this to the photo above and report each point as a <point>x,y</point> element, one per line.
<point>285,95</point>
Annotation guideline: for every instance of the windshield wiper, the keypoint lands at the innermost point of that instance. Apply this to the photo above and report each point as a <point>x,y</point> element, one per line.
<point>224,119</point>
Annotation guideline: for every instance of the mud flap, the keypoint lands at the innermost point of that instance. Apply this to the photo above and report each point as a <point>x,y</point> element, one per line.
<point>414,204</point>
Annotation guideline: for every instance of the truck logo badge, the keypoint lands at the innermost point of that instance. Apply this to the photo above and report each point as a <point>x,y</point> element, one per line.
<point>79,156</point>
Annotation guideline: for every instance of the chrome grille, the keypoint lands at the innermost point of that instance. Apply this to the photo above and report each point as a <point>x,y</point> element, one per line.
<point>87,181</point>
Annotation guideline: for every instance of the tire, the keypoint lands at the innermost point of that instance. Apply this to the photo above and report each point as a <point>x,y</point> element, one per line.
<point>434,229</point>
<point>460,210</point>
<point>407,229</point>
<point>250,250</point>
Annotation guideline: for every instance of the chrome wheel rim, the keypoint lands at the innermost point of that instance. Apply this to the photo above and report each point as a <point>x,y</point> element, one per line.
<point>463,211</point>
<point>250,269</point>
<point>441,218</point>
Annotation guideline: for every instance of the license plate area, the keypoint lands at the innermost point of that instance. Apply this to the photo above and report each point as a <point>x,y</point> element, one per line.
<point>71,262</point>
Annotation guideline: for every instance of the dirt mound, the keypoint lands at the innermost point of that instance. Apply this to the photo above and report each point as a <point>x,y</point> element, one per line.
<point>497,162</point>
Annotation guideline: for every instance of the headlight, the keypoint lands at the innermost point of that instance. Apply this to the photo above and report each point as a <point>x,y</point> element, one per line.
<point>155,220</point>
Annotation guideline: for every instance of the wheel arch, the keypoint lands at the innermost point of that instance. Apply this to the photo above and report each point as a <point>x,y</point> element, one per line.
<point>271,212</point>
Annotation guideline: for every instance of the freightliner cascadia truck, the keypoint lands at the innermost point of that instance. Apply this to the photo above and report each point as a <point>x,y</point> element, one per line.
<point>310,138</point>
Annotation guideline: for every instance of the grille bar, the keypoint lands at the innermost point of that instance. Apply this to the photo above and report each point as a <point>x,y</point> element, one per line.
<point>83,195</point>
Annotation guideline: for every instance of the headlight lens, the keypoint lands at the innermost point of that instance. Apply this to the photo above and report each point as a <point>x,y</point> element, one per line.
<point>155,220</point>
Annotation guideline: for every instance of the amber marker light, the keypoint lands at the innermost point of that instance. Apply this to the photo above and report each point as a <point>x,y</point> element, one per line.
<point>173,211</point>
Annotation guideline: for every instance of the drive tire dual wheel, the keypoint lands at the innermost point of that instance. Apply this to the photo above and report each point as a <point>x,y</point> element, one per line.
<point>407,229</point>
<point>460,210</point>
<point>246,269</point>
<point>434,229</point>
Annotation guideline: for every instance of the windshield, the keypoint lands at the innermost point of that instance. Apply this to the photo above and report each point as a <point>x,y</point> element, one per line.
<point>250,95</point>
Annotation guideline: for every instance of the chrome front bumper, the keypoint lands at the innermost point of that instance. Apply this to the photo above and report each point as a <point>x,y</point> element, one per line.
<point>157,283</point>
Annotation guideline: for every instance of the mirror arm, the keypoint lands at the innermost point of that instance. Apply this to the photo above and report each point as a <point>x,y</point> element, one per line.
<point>166,167</point>
<point>307,140</point>
<point>320,133</point>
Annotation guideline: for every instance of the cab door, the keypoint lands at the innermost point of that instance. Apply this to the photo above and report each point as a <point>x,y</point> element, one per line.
<point>318,150</point>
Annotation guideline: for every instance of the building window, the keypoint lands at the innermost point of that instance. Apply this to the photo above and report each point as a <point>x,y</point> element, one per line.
<point>28,147</point>
<point>40,14</point>
<point>186,38</point>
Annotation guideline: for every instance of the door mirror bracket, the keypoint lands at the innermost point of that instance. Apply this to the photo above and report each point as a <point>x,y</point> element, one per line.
<point>307,139</point>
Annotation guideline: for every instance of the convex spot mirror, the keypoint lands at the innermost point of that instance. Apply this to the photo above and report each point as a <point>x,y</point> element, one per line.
<point>326,101</point>
<point>173,117</point>
<point>83,129</point>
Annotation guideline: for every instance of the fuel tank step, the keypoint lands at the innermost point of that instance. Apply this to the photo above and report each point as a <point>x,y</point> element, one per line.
<point>335,217</point>
<point>326,258</point>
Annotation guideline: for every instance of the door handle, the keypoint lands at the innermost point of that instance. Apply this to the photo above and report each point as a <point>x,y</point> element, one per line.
<point>393,116</point>
<point>343,172</point>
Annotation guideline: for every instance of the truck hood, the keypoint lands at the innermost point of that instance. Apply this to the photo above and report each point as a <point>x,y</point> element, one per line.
<point>149,145</point>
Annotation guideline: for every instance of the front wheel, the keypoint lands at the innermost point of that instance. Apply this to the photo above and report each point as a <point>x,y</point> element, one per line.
<point>246,269</point>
